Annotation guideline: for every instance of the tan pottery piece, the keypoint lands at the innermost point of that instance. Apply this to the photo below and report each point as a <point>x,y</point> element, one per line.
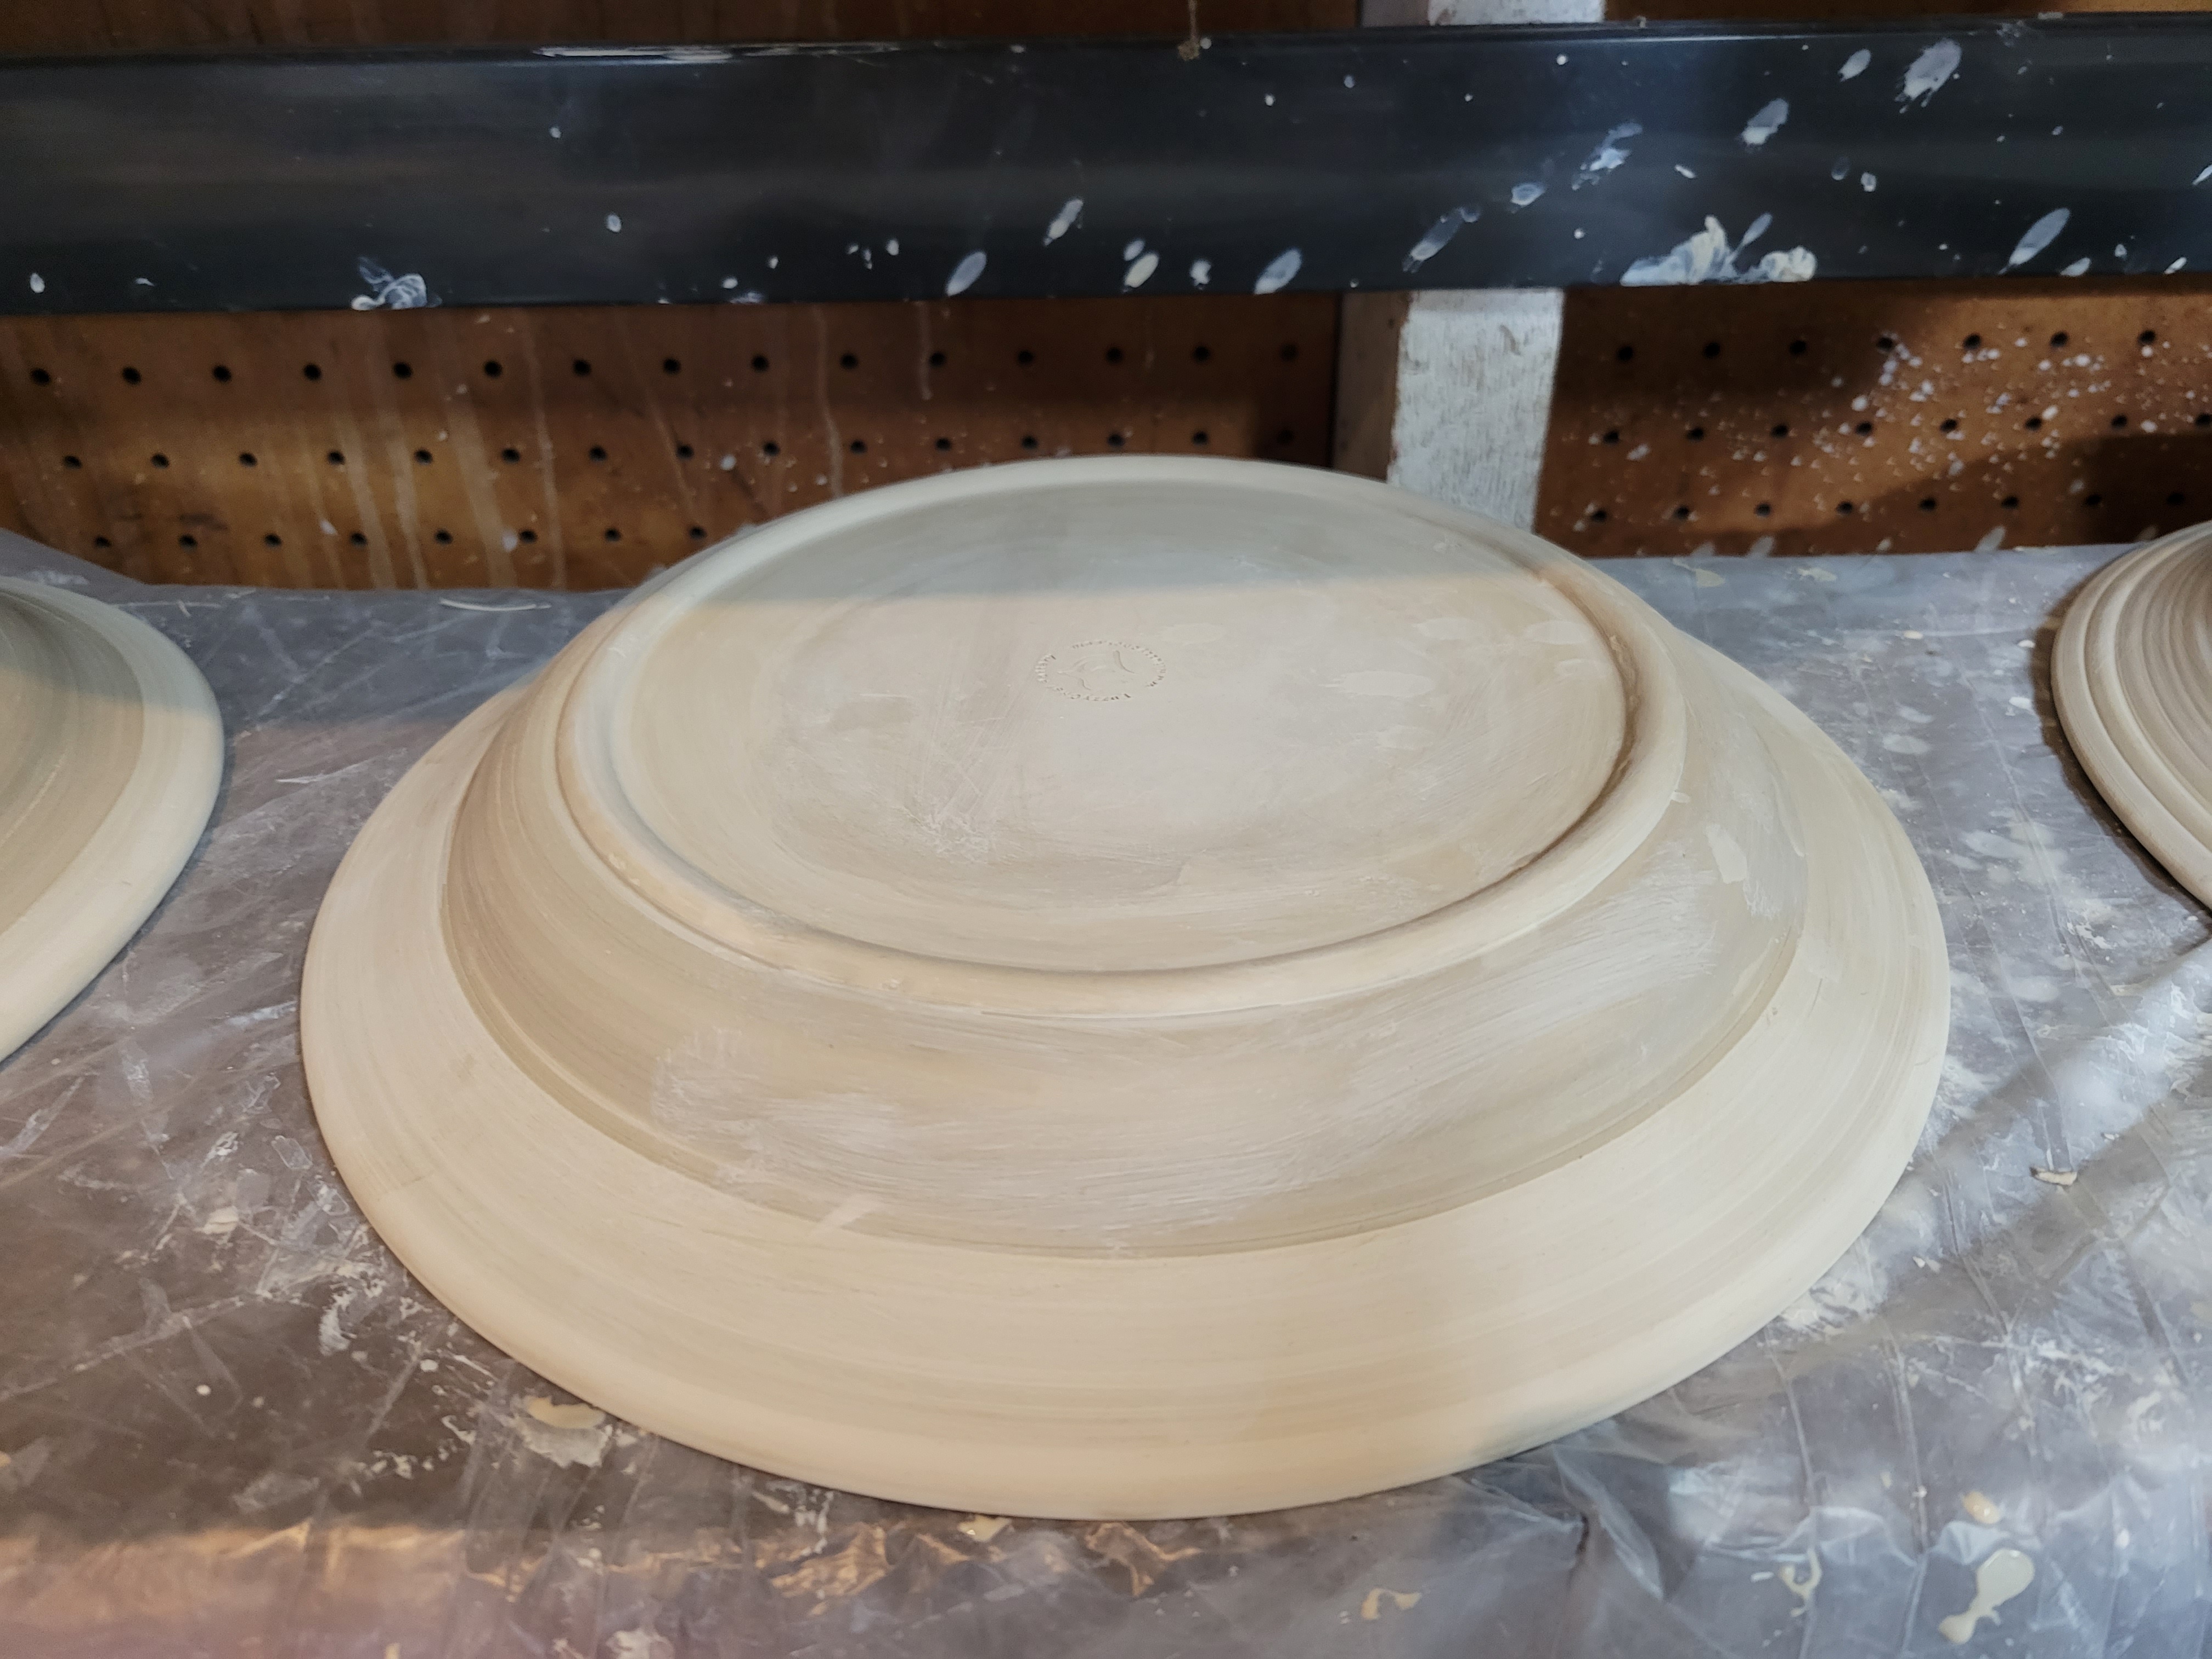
<point>2132,678</point>
<point>111,748</point>
<point>1126,988</point>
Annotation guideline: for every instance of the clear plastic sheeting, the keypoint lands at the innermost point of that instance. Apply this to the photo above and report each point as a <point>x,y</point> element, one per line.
<point>233,1424</point>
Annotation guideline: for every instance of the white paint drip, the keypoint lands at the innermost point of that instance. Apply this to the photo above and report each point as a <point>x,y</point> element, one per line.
<point>614,221</point>
<point>1868,181</point>
<point>965,273</point>
<point>1684,171</point>
<point>641,54</point>
<point>1608,155</point>
<point>1284,266</point>
<point>1439,233</point>
<point>2079,268</point>
<point>891,246</point>
<point>2039,236</point>
<point>1705,257</point>
<point>1997,1580</point>
<point>1768,122</point>
<point>1524,194</point>
<point>38,283</point>
<point>1131,250</point>
<point>1064,221</point>
<point>1855,65</point>
<point>2202,177</point>
<point>1929,71</point>
<point>408,292</point>
<point>1201,272</point>
<point>2176,264</point>
<point>1139,269</point>
<point>1801,1585</point>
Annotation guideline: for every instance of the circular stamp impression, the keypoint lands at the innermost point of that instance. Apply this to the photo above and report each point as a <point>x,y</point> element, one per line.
<point>1101,670</point>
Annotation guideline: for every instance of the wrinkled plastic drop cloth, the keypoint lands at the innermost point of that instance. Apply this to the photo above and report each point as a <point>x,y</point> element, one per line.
<point>234,1425</point>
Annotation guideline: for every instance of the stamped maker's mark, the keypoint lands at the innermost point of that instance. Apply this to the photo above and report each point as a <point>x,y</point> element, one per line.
<point>1101,670</point>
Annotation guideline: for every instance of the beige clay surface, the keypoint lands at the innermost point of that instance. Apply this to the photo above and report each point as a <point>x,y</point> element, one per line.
<point>2132,678</point>
<point>111,749</point>
<point>1126,988</point>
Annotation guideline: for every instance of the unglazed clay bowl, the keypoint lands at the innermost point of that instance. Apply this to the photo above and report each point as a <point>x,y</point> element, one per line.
<point>1133,987</point>
<point>111,750</point>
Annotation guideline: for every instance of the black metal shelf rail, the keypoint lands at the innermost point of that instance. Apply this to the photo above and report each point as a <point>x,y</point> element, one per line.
<point>1428,158</point>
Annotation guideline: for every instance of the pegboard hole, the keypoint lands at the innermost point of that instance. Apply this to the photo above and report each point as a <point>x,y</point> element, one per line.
<point>71,462</point>
<point>1781,430</point>
<point>849,360</point>
<point>159,459</point>
<point>273,539</point>
<point>40,377</point>
<point>1681,513</point>
<point>131,376</point>
<point>1029,442</point>
<point>2060,339</point>
<point>222,372</point>
<point>1198,438</point>
<point>1885,343</point>
<point>336,458</point>
<point>760,365</point>
<point>2092,500</point>
<point>771,448</point>
<point>2204,420</point>
<point>598,452</point>
<point>1599,515</point>
<point>422,457</point>
<point>936,359</point>
<point>443,538</point>
<point>698,532</point>
<point>683,451</point>
<point>527,536</point>
<point>944,443</point>
<point>1863,427</point>
<point>2118,420</point>
<point>1113,354</point>
<point>1950,425</point>
<point>859,446</point>
<point>1026,356</point>
<point>311,371</point>
<point>1696,434</point>
<point>1114,441</point>
<point>672,366</point>
<point>1202,353</point>
<point>246,459</point>
<point>493,368</point>
<point>188,541</point>
<point>613,534</point>
<point>403,371</point>
<point>2147,336</point>
<point>1610,438</point>
<point>2034,423</point>
<point>2176,498</point>
<point>1290,352</point>
<point>2010,502</point>
<point>101,541</point>
<point>1971,343</point>
<point>1797,348</point>
<point>1625,354</point>
<point>1927,503</point>
<point>358,539</point>
<point>1286,436</point>
<point>510,455</point>
<point>1847,506</point>
<point>581,368</point>
<point>1712,347</point>
<point>1764,509</point>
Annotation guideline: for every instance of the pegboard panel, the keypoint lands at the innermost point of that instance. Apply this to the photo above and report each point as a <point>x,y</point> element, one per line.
<point>586,447</point>
<point>1878,416</point>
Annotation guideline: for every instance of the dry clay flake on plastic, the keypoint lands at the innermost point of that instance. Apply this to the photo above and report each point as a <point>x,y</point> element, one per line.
<point>1126,988</point>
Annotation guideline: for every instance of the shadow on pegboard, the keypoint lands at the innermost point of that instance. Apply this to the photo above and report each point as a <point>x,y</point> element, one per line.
<point>1879,417</point>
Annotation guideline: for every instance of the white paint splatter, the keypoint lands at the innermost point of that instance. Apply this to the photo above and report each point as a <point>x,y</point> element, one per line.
<point>1706,257</point>
<point>2176,264</point>
<point>1929,71</point>
<point>1801,1585</point>
<point>408,292</point>
<point>1064,221</point>
<point>965,273</point>
<point>2202,177</point>
<point>891,246</point>
<point>1608,155</point>
<point>1284,266</point>
<point>729,282</point>
<point>1684,171</point>
<point>1201,272</point>
<point>1768,122</point>
<point>1132,249</point>
<point>567,1435</point>
<point>2039,236</point>
<point>1524,194</point>
<point>1437,234</point>
<point>1855,65</point>
<point>38,283</point>
<point>2079,268</point>
<point>554,131</point>
<point>1992,539</point>
<point>614,221</point>
<point>1139,269</point>
<point>1868,181</point>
